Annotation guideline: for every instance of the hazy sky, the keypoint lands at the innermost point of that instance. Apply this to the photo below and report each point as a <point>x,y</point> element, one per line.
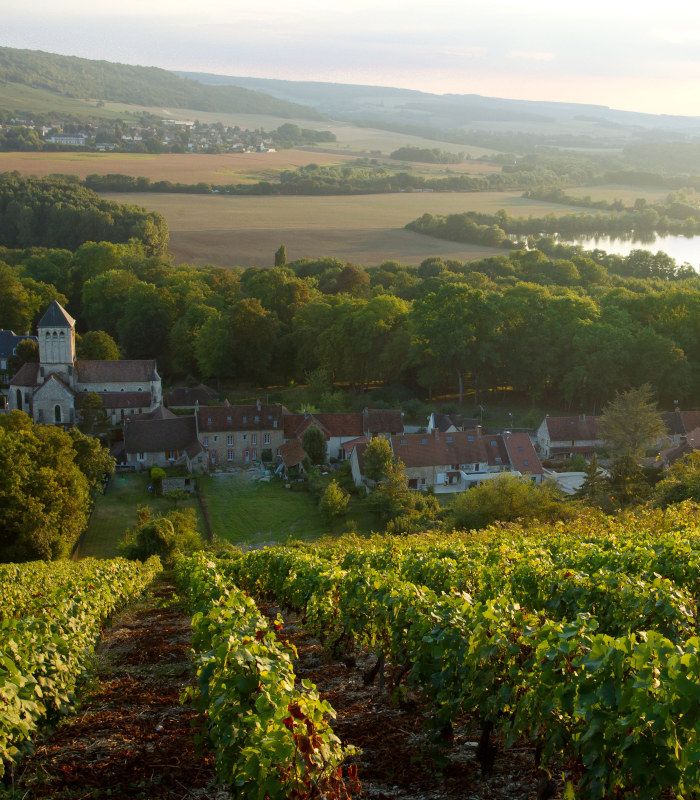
<point>634,55</point>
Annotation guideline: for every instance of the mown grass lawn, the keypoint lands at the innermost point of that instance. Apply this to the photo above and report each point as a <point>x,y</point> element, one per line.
<point>115,511</point>
<point>250,512</point>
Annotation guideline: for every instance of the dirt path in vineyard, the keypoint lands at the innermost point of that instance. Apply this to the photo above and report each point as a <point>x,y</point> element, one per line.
<point>130,737</point>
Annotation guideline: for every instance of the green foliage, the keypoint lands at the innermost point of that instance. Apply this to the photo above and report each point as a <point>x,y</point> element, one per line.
<point>377,458</point>
<point>682,482</point>
<point>55,212</point>
<point>271,737</point>
<point>144,86</point>
<point>400,508</point>
<point>44,495</point>
<point>334,502</point>
<point>98,346</point>
<point>577,638</point>
<point>314,444</point>
<point>281,256</point>
<point>631,423</point>
<point>427,155</point>
<point>168,536</point>
<point>92,416</point>
<point>157,474</point>
<point>50,618</point>
<point>507,498</point>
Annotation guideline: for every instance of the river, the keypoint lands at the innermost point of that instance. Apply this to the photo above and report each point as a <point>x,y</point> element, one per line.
<point>683,249</point>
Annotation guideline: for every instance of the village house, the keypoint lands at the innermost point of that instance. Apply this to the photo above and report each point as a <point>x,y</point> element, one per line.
<point>8,348</point>
<point>562,437</point>
<point>50,390</point>
<point>163,441</point>
<point>187,397</point>
<point>343,431</point>
<point>679,425</point>
<point>688,443</point>
<point>240,435</point>
<point>449,423</point>
<point>456,461</point>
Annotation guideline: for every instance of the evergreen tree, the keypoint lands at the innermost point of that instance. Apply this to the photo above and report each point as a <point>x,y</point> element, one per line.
<point>314,444</point>
<point>595,484</point>
<point>281,256</point>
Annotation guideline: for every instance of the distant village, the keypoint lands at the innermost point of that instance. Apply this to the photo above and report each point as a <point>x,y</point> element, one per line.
<point>196,429</point>
<point>150,135</point>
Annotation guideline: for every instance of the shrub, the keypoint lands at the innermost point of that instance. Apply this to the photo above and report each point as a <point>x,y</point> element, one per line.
<point>334,502</point>
<point>173,534</point>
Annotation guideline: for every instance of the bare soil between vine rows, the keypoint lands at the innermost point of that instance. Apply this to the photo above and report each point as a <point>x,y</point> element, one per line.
<point>130,737</point>
<point>403,757</point>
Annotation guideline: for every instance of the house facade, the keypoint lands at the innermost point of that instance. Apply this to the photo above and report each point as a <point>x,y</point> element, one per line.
<point>50,390</point>
<point>238,435</point>
<point>163,441</point>
<point>562,437</point>
<point>457,460</point>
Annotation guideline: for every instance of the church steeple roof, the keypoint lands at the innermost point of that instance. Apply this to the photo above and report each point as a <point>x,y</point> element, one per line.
<point>56,316</point>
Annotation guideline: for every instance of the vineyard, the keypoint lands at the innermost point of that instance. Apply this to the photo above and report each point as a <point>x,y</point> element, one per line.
<point>579,640</point>
<point>51,616</point>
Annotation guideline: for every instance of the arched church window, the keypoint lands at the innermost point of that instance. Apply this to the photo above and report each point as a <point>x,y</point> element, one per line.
<point>57,413</point>
<point>19,400</point>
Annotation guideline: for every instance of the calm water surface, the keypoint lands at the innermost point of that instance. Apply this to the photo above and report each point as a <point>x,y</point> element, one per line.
<point>681,248</point>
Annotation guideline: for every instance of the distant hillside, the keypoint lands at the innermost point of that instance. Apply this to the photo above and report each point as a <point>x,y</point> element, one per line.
<point>70,76</point>
<point>395,107</point>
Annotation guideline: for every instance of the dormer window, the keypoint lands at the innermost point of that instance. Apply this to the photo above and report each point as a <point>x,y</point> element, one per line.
<point>208,420</point>
<point>228,420</point>
<point>257,418</point>
<point>494,443</point>
<point>274,423</point>
<point>470,438</point>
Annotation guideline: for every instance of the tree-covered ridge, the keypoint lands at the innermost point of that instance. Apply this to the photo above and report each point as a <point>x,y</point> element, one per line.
<point>427,155</point>
<point>125,83</point>
<point>51,212</point>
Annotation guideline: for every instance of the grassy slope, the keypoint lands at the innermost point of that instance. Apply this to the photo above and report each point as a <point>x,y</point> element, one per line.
<point>115,511</point>
<point>248,512</point>
<point>127,83</point>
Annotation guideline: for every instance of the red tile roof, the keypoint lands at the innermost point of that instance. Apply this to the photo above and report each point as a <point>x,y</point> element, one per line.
<point>439,449</point>
<point>571,429</point>
<point>141,371</point>
<point>125,399</point>
<point>521,453</point>
<point>251,417</point>
<point>292,453</point>
<point>380,420</point>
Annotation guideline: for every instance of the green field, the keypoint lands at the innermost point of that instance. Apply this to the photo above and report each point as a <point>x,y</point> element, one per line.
<point>21,98</point>
<point>363,229</point>
<point>244,511</point>
<point>115,511</point>
<point>614,191</point>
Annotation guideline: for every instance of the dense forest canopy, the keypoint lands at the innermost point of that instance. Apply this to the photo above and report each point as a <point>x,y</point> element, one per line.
<point>125,83</point>
<point>52,212</point>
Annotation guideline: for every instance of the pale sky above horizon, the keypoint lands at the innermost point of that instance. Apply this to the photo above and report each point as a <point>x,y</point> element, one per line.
<point>640,56</point>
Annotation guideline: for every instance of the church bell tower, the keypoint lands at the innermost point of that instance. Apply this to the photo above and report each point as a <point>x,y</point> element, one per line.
<point>56,331</point>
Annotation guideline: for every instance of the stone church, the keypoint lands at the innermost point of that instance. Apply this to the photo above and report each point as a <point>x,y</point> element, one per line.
<point>49,391</point>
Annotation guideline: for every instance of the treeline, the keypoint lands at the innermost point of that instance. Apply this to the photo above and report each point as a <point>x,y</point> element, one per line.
<point>52,212</point>
<point>328,180</point>
<point>477,228</point>
<point>564,326</point>
<point>290,135</point>
<point>427,155</point>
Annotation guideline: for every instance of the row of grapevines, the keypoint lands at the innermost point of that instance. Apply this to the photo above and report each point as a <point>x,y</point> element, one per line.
<point>272,737</point>
<point>621,715</point>
<point>47,633</point>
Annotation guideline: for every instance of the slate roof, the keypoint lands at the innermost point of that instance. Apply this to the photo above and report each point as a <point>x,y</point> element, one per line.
<point>251,417</point>
<point>56,316</point>
<point>140,371</point>
<point>571,429</point>
<point>187,396</point>
<point>9,340</point>
<point>158,435</point>
<point>445,421</point>
<point>125,399</point>
<point>26,375</point>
